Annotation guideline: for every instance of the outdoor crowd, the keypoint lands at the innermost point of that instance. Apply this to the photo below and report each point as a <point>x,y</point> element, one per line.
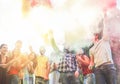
<point>96,68</point>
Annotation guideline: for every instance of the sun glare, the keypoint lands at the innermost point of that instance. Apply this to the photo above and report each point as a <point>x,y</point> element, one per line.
<point>32,29</point>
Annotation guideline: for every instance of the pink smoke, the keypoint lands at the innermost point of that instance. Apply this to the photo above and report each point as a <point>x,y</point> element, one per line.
<point>113,25</point>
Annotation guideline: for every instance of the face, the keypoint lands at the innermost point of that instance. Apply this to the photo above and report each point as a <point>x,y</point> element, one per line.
<point>32,56</point>
<point>18,44</point>
<point>16,52</point>
<point>80,52</point>
<point>42,51</point>
<point>30,48</point>
<point>4,49</point>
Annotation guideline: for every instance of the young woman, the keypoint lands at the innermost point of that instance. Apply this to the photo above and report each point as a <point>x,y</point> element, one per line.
<point>3,63</point>
<point>83,63</point>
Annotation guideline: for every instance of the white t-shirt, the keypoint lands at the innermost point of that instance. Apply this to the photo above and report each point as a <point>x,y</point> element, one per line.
<point>101,52</point>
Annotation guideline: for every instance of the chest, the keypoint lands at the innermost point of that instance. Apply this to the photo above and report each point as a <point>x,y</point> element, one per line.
<point>3,59</point>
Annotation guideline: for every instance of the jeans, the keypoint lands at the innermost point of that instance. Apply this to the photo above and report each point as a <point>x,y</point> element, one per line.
<point>118,77</point>
<point>105,74</point>
<point>89,79</point>
<point>40,80</point>
<point>26,79</point>
<point>29,80</point>
<point>68,78</point>
<point>54,77</point>
<point>13,79</point>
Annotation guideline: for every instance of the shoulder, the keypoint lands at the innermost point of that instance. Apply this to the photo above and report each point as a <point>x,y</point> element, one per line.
<point>91,49</point>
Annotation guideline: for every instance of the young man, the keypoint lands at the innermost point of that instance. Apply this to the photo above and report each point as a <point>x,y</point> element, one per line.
<point>101,58</point>
<point>42,69</point>
<point>68,68</point>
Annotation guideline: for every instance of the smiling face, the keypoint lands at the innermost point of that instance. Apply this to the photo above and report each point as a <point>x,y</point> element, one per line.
<point>4,49</point>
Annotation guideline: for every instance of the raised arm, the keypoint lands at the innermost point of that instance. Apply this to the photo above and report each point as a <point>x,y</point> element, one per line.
<point>9,63</point>
<point>105,33</point>
<point>52,41</point>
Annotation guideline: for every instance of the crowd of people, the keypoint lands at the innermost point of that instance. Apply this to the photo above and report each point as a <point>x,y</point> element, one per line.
<point>97,68</point>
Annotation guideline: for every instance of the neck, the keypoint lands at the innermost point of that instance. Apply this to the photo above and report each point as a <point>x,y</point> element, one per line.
<point>2,54</point>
